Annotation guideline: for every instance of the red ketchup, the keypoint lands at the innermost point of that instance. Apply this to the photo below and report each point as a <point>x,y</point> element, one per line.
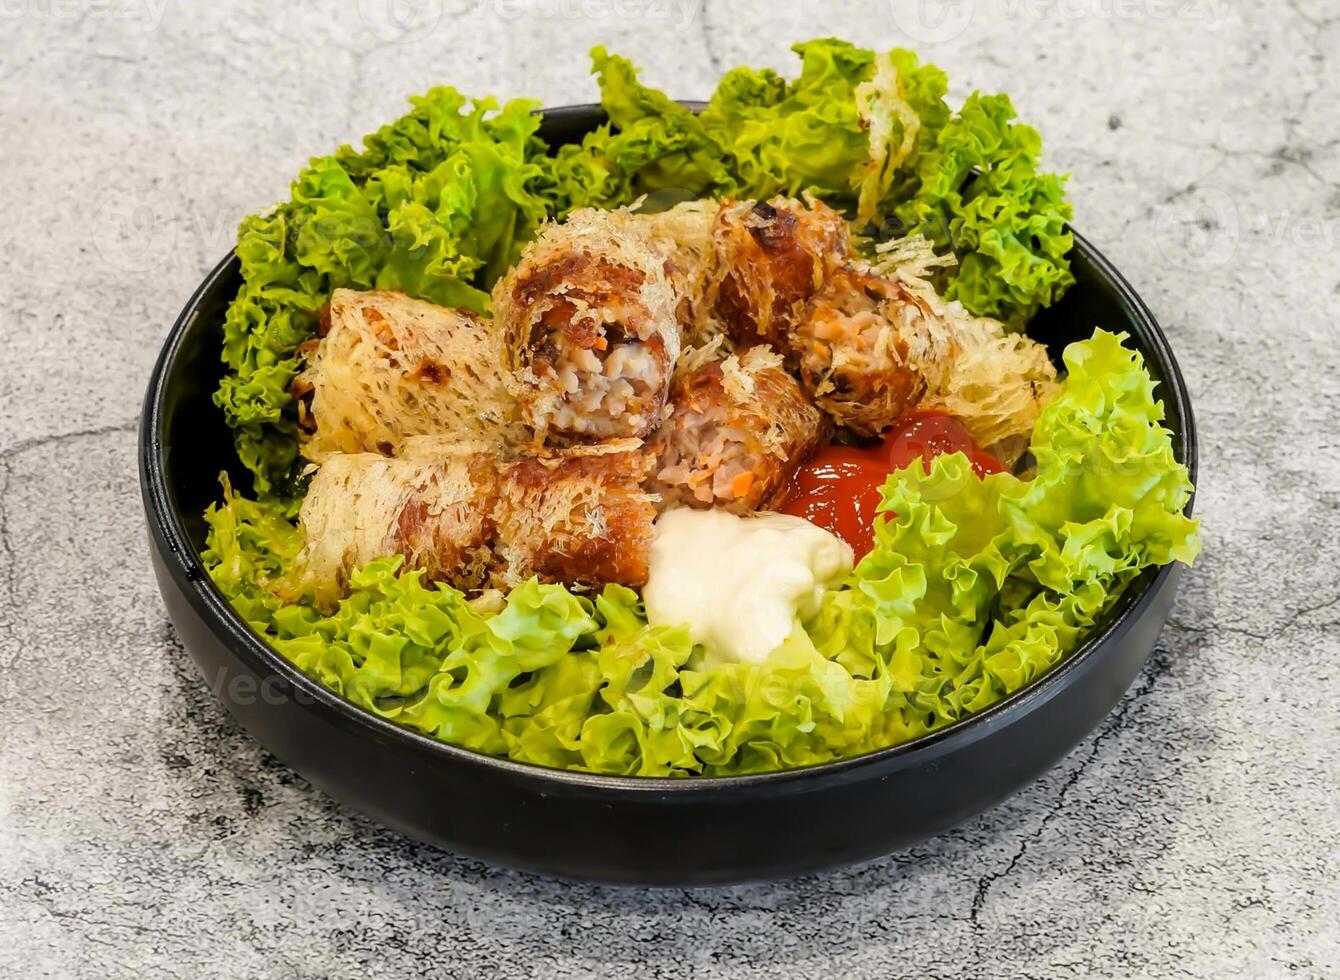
<point>931,434</point>
<point>838,489</point>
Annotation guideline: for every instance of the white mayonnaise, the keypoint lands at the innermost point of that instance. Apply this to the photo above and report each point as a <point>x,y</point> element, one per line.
<point>739,582</point>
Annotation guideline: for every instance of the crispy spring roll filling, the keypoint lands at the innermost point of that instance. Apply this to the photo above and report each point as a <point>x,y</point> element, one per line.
<point>738,431</point>
<point>852,347</point>
<point>589,319</point>
<point>390,368</point>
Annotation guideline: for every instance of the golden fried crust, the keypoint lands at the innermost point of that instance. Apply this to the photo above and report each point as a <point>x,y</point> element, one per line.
<point>388,368</point>
<point>579,519</point>
<point>473,518</point>
<point>452,543</point>
<point>684,235</point>
<point>771,257</point>
<point>795,431</point>
<point>436,511</point>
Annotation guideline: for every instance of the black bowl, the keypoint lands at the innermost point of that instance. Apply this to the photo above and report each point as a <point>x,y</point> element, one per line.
<point>626,829</point>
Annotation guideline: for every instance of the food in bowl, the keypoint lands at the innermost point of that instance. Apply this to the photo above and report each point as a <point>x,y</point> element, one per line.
<point>710,444</point>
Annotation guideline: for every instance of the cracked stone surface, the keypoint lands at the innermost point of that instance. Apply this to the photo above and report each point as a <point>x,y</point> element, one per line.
<point>142,834</point>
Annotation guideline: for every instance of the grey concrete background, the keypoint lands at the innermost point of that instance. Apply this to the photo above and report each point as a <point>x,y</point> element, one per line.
<point>143,835</point>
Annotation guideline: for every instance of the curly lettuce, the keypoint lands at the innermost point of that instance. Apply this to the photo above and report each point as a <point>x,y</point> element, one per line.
<point>979,193</point>
<point>438,204</point>
<point>830,131</point>
<point>975,588</point>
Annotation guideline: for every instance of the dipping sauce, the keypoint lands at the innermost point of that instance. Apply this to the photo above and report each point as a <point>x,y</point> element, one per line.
<point>931,434</point>
<point>838,490</point>
<point>739,583</point>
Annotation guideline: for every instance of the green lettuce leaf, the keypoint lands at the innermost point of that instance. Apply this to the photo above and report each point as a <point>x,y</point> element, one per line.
<point>250,548</point>
<point>758,136</point>
<point>438,204</point>
<point>810,134</point>
<point>977,586</point>
<point>870,134</point>
<point>650,142</point>
<point>979,194</point>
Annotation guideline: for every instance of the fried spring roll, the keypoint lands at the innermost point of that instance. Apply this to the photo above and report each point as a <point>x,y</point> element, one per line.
<point>997,384</point>
<point>771,257</point>
<point>579,516</point>
<point>854,348</point>
<point>588,316</point>
<point>436,511</point>
<point>879,340</point>
<point>469,517</point>
<point>390,368</point>
<point>870,342</point>
<point>739,430</point>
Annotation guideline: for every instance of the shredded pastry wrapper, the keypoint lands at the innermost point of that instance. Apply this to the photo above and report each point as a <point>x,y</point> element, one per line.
<point>478,517</point>
<point>391,368</point>
<point>995,382</point>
